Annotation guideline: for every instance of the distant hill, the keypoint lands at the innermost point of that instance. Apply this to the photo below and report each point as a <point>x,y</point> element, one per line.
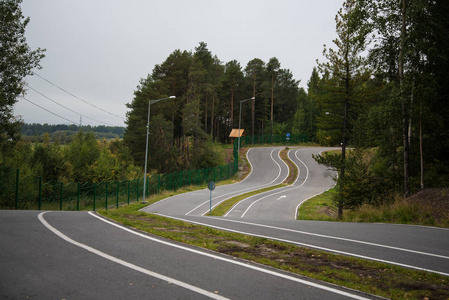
<point>63,133</point>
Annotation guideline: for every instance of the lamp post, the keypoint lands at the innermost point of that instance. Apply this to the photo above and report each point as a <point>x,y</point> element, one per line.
<point>146,148</point>
<point>240,120</point>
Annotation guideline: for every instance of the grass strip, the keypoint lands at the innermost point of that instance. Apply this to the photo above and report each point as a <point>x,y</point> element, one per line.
<point>366,276</point>
<point>320,208</point>
<point>224,206</point>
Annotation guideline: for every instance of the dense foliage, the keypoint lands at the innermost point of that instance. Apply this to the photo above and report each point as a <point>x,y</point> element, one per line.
<point>16,61</point>
<point>85,159</point>
<point>400,109</point>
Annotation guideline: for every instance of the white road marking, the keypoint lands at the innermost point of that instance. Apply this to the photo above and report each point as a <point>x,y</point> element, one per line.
<point>236,193</point>
<point>318,247</point>
<point>129,265</point>
<point>283,190</point>
<point>241,264</point>
<point>281,197</point>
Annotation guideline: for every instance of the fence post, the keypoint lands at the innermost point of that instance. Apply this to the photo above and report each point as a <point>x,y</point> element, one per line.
<point>17,188</point>
<point>118,191</point>
<point>62,196</point>
<point>78,198</point>
<point>95,194</point>
<point>40,192</point>
<point>137,190</point>
<point>147,186</point>
<point>106,205</point>
<point>129,190</point>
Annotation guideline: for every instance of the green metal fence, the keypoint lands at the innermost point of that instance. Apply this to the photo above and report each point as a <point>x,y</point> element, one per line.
<point>31,192</point>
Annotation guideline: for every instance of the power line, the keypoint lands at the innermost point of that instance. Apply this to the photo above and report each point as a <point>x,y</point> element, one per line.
<point>67,107</point>
<point>48,110</point>
<point>77,97</point>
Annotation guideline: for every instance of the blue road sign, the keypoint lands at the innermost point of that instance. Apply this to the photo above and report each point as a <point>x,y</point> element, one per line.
<point>288,134</point>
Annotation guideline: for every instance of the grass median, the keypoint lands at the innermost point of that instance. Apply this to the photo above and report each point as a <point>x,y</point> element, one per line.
<point>366,276</point>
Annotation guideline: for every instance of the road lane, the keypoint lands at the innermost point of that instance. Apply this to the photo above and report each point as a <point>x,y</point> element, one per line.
<point>281,204</point>
<point>418,247</point>
<point>267,169</point>
<point>412,246</point>
<point>76,255</point>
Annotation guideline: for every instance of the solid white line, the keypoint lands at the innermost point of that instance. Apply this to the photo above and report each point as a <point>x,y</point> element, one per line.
<point>303,244</point>
<point>129,265</point>
<point>337,238</point>
<point>241,264</point>
<point>235,192</point>
<point>307,169</point>
<point>283,189</point>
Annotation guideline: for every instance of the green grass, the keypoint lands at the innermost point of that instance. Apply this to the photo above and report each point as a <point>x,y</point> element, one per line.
<point>322,208</point>
<point>315,208</point>
<point>371,277</point>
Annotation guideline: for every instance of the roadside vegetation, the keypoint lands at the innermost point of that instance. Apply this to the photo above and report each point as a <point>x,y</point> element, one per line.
<point>370,277</point>
<point>428,207</point>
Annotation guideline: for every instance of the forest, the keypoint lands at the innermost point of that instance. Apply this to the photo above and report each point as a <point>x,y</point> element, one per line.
<point>63,134</point>
<point>381,89</point>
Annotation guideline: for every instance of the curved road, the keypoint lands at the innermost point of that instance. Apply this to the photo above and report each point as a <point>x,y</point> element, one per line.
<point>78,255</point>
<point>267,169</point>
<point>272,215</point>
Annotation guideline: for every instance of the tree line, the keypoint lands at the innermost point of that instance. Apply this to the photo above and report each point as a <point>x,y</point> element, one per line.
<point>64,134</point>
<point>207,106</point>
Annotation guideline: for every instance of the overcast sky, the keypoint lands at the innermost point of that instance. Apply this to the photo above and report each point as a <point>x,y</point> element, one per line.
<point>98,50</point>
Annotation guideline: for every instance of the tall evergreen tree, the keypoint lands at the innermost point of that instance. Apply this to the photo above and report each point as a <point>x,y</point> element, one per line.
<point>348,73</point>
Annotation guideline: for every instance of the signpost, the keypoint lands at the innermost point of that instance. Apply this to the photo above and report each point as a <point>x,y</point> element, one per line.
<point>211,187</point>
<point>287,137</point>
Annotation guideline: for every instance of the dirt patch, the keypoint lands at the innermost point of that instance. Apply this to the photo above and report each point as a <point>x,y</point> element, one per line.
<point>326,210</point>
<point>436,200</point>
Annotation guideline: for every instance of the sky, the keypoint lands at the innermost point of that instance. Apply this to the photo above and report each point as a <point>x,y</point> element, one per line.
<point>98,50</point>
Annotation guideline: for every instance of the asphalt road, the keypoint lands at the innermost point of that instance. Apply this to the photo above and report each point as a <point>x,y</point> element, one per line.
<point>267,169</point>
<point>282,204</point>
<point>272,214</point>
<point>78,255</point>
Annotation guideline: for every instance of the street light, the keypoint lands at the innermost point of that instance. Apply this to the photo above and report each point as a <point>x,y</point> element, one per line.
<point>146,149</point>
<point>240,117</point>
